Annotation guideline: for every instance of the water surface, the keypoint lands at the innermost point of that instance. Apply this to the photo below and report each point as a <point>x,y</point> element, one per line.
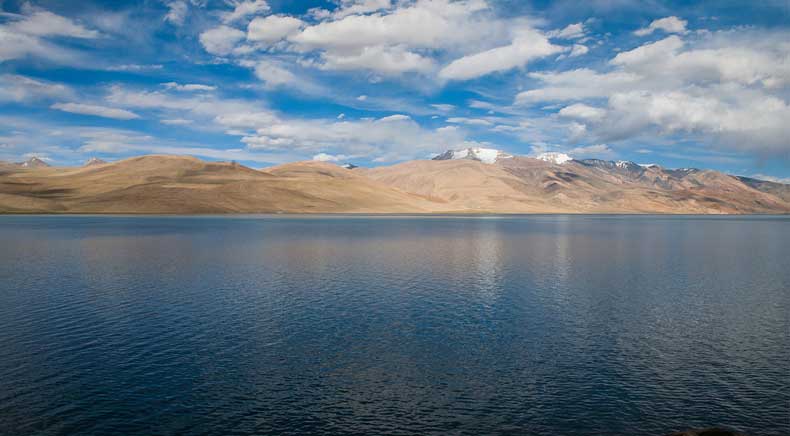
<point>544,325</point>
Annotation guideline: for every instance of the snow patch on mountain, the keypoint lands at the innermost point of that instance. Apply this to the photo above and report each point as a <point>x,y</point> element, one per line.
<point>554,157</point>
<point>33,162</point>
<point>485,155</point>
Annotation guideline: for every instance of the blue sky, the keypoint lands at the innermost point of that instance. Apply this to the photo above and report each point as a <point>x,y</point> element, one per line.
<point>374,82</point>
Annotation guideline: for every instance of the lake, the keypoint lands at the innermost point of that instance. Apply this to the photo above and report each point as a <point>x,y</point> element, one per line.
<point>340,325</point>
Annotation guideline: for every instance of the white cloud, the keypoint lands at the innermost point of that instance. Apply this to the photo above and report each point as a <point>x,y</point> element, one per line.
<point>44,23</point>
<point>135,67</point>
<point>582,111</point>
<point>599,151</point>
<point>272,28</point>
<point>529,45</point>
<point>395,137</point>
<point>469,121</point>
<point>405,37</point>
<point>669,24</point>
<point>221,40</point>
<point>649,54</point>
<point>99,111</point>
<point>578,50</point>
<point>357,7</point>
<point>571,31</point>
<point>423,24</point>
<point>29,34</point>
<point>362,97</point>
<point>387,60</point>
<point>176,122</point>
<point>206,108</point>
<point>23,89</point>
<point>188,87</point>
<point>396,117</point>
<point>176,12</point>
<point>747,116</point>
<point>273,73</point>
<point>443,107</point>
<point>245,8</point>
<point>723,89</point>
<point>577,84</point>
<point>323,157</point>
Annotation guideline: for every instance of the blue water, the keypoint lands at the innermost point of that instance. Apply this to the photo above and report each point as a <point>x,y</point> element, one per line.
<point>544,325</point>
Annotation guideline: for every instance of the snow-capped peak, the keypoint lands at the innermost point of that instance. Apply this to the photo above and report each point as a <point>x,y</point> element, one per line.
<point>34,162</point>
<point>349,166</point>
<point>485,155</point>
<point>554,157</point>
<point>94,161</point>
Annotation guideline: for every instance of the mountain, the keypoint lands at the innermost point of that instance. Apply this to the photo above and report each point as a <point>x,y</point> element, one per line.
<point>485,155</point>
<point>349,166</point>
<point>555,182</point>
<point>180,184</point>
<point>33,162</point>
<point>465,181</point>
<point>94,161</point>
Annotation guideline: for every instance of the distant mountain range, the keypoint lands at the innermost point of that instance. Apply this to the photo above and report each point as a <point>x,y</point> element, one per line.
<point>473,180</point>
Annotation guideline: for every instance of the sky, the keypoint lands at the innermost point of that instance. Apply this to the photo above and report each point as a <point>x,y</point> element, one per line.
<point>375,82</point>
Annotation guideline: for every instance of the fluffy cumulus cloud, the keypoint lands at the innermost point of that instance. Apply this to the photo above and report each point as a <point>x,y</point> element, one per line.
<point>529,45</point>
<point>266,80</point>
<point>571,31</point>
<point>245,8</point>
<point>221,40</point>
<point>325,157</point>
<point>273,73</point>
<point>724,88</point>
<point>176,12</point>
<point>387,60</point>
<point>668,24</point>
<point>582,111</point>
<point>427,37</point>
<point>272,28</point>
<point>578,50</point>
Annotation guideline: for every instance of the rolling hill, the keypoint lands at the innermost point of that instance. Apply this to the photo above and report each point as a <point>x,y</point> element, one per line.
<point>465,181</point>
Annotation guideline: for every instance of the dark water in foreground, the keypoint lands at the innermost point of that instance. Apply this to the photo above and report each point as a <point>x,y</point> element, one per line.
<point>337,325</point>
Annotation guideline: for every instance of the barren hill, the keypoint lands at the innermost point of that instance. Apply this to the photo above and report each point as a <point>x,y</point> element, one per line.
<point>178,184</point>
<point>527,185</point>
<point>500,183</point>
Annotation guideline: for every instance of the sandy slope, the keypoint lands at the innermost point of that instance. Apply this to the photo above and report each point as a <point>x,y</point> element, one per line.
<point>178,184</point>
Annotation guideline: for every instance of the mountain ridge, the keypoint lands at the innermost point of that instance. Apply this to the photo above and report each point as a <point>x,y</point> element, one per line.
<point>461,183</point>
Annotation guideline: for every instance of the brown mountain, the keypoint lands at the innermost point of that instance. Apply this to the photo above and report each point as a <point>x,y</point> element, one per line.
<point>478,182</point>
<point>33,162</point>
<point>522,184</point>
<point>179,184</point>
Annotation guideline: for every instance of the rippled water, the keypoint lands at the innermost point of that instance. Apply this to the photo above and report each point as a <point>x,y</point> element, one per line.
<point>545,325</point>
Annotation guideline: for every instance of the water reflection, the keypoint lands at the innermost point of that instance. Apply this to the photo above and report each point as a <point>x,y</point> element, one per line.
<point>348,325</point>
